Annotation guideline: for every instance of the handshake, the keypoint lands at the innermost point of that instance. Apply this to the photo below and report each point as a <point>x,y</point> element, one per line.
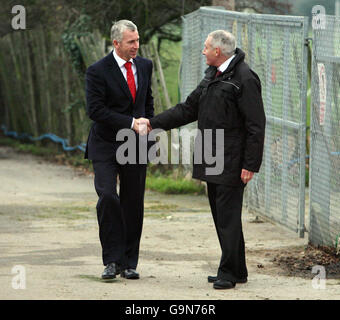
<point>142,126</point>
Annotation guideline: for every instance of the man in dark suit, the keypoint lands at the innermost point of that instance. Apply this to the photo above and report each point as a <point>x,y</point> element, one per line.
<point>118,92</point>
<point>228,104</point>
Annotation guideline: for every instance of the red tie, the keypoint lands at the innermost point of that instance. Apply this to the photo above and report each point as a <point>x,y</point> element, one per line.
<point>218,73</point>
<point>130,79</point>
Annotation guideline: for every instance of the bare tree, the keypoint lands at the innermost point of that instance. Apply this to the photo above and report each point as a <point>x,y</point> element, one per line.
<point>150,15</point>
<point>264,6</point>
<point>227,4</point>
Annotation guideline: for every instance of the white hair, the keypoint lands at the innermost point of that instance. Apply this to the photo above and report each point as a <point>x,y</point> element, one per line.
<point>119,27</point>
<point>224,40</point>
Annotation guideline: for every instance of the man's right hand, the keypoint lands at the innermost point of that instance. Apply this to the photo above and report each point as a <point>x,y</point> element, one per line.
<point>142,126</point>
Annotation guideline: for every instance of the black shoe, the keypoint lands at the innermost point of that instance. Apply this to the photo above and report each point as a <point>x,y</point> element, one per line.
<point>213,279</point>
<point>110,271</point>
<point>224,284</point>
<point>129,274</point>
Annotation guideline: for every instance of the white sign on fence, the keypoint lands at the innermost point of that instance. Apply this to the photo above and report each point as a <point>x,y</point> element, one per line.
<point>322,92</point>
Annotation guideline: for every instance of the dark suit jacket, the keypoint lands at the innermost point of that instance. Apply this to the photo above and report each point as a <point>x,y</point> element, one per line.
<point>110,104</point>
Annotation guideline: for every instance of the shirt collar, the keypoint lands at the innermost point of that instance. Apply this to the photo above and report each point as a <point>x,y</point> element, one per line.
<point>224,66</point>
<point>119,60</point>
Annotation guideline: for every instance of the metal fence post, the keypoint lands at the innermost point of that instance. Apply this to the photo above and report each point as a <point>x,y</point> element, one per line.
<point>321,164</point>
<point>269,140</point>
<point>302,138</point>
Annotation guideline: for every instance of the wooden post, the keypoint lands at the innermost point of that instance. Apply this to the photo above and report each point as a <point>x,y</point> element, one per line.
<point>155,92</point>
<point>45,91</point>
<point>67,113</point>
<point>5,87</point>
<point>161,76</point>
<point>30,84</point>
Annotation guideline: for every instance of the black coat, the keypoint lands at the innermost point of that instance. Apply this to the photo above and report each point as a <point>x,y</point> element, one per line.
<point>110,104</point>
<point>231,102</point>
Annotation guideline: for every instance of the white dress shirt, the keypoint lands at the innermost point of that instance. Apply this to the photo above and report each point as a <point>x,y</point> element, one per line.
<point>121,64</point>
<point>224,66</point>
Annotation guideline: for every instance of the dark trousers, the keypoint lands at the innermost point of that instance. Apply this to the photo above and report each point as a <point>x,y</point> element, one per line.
<point>120,216</point>
<point>226,207</point>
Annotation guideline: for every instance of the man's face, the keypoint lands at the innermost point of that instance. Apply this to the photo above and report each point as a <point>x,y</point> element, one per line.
<point>210,53</point>
<point>128,47</point>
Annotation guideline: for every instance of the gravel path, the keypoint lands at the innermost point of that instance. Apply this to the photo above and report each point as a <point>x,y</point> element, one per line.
<point>49,235</point>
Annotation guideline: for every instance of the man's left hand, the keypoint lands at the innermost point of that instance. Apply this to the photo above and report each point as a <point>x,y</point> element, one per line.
<point>246,175</point>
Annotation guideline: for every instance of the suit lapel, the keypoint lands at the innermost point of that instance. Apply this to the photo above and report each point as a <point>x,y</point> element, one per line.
<point>116,74</point>
<point>139,77</point>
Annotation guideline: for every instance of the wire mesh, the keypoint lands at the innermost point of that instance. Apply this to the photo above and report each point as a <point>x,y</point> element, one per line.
<point>325,135</point>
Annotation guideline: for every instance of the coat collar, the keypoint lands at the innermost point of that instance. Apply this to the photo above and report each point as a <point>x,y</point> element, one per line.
<point>140,79</point>
<point>121,62</point>
<point>239,57</point>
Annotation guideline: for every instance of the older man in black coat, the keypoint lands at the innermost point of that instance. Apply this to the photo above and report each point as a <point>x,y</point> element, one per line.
<point>228,98</point>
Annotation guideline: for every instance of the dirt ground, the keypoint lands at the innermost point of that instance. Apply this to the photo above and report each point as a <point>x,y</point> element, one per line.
<point>49,232</point>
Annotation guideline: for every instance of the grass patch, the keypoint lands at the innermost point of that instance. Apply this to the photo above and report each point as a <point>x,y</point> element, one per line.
<point>48,151</point>
<point>72,213</point>
<point>159,211</point>
<point>156,215</point>
<point>169,185</point>
<point>25,147</point>
<point>69,213</point>
<point>161,207</point>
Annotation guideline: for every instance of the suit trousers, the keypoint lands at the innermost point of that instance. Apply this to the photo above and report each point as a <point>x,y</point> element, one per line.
<point>226,207</point>
<point>120,216</point>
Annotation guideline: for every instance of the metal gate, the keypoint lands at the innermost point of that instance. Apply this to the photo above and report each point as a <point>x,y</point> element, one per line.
<point>275,49</point>
<point>324,226</point>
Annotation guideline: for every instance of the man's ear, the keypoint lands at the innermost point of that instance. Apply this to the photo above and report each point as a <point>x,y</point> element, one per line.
<point>115,43</point>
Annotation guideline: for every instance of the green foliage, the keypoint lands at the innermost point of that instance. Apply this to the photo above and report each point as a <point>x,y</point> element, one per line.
<point>8,142</point>
<point>32,148</point>
<point>170,55</point>
<point>80,28</point>
<point>77,103</point>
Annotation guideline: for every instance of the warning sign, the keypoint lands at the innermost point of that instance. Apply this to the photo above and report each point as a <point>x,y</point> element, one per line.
<point>322,92</point>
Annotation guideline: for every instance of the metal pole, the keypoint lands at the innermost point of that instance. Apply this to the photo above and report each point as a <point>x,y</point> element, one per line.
<point>337,8</point>
<point>268,191</point>
<point>302,134</point>
<point>320,161</point>
<point>285,106</point>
